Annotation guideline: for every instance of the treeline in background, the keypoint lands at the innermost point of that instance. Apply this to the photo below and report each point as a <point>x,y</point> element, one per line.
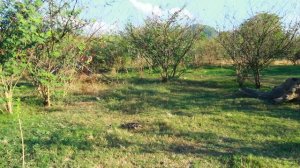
<point>45,43</point>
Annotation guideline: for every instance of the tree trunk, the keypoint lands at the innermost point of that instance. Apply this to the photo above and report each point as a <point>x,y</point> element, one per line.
<point>174,71</point>
<point>240,78</point>
<point>113,71</point>
<point>164,79</point>
<point>47,101</point>
<point>257,79</point>
<point>287,91</point>
<point>164,75</point>
<point>9,101</point>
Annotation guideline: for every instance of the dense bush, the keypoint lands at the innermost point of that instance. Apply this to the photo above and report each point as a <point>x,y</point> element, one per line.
<point>108,53</point>
<point>256,43</point>
<point>164,43</point>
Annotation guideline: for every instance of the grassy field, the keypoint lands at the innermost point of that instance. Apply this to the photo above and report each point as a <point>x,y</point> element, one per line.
<point>200,120</point>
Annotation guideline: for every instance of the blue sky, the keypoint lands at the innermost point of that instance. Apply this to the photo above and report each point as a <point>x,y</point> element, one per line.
<point>209,12</point>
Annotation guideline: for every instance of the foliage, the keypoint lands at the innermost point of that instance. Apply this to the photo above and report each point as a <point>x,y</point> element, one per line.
<point>256,43</point>
<point>57,55</point>
<point>207,51</point>
<point>164,43</point>
<point>294,56</point>
<point>108,53</point>
<point>19,22</point>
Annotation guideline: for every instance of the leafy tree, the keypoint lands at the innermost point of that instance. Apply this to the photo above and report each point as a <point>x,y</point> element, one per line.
<point>60,49</point>
<point>256,43</point>
<point>19,21</point>
<point>164,43</point>
<point>231,42</point>
<point>294,56</point>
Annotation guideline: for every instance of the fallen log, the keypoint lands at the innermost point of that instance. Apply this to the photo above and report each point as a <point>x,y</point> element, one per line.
<point>287,91</point>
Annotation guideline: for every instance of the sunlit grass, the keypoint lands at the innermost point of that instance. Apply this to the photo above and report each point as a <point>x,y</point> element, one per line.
<point>200,120</point>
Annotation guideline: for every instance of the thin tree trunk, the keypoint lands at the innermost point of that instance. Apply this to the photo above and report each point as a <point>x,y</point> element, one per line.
<point>257,79</point>
<point>164,79</point>
<point>48,97</point>
<point>240,78</point>
<point>47,101</point>
<point>174,71</point>
<point>164,75</point>
<point>9,101</point>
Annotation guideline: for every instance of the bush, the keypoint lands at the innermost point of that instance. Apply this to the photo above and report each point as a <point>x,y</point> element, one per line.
<point>109,53</point>
<point>256,43</point>
<point>164,43</point>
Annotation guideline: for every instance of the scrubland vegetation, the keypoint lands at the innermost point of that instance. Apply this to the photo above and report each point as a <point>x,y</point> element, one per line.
<point>66,95</point>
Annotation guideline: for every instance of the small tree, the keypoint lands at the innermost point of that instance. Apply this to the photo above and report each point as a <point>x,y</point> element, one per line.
<point>294,56</point>
<point>60,49</point>
<point>231,42</point>
<point>256,43</point>
<point>19,21</point>
<point>164,43</point>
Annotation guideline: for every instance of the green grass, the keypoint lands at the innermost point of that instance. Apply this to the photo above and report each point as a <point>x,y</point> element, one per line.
<point>200,120</point>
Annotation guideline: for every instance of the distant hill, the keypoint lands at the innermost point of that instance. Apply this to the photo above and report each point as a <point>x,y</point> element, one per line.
<point>208,31</point>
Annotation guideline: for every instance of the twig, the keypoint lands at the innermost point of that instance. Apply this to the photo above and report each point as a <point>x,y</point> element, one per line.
<point>21,133</point>
<point>22,139</point>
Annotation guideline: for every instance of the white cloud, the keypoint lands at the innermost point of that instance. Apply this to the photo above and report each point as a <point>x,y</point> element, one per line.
<point>100,28</point>
<point>147,8</point>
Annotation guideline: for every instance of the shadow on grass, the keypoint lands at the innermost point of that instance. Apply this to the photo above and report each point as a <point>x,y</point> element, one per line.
<point>25,84</point>
<point>182,96</point>
<point>32,100</point>
<point>115,142</point>
<point>287,150</point>
<point>210,144</point>
<point>143,81</point>
<point>136,100</point>
<point>60,139</point>
<point>282,71</point>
